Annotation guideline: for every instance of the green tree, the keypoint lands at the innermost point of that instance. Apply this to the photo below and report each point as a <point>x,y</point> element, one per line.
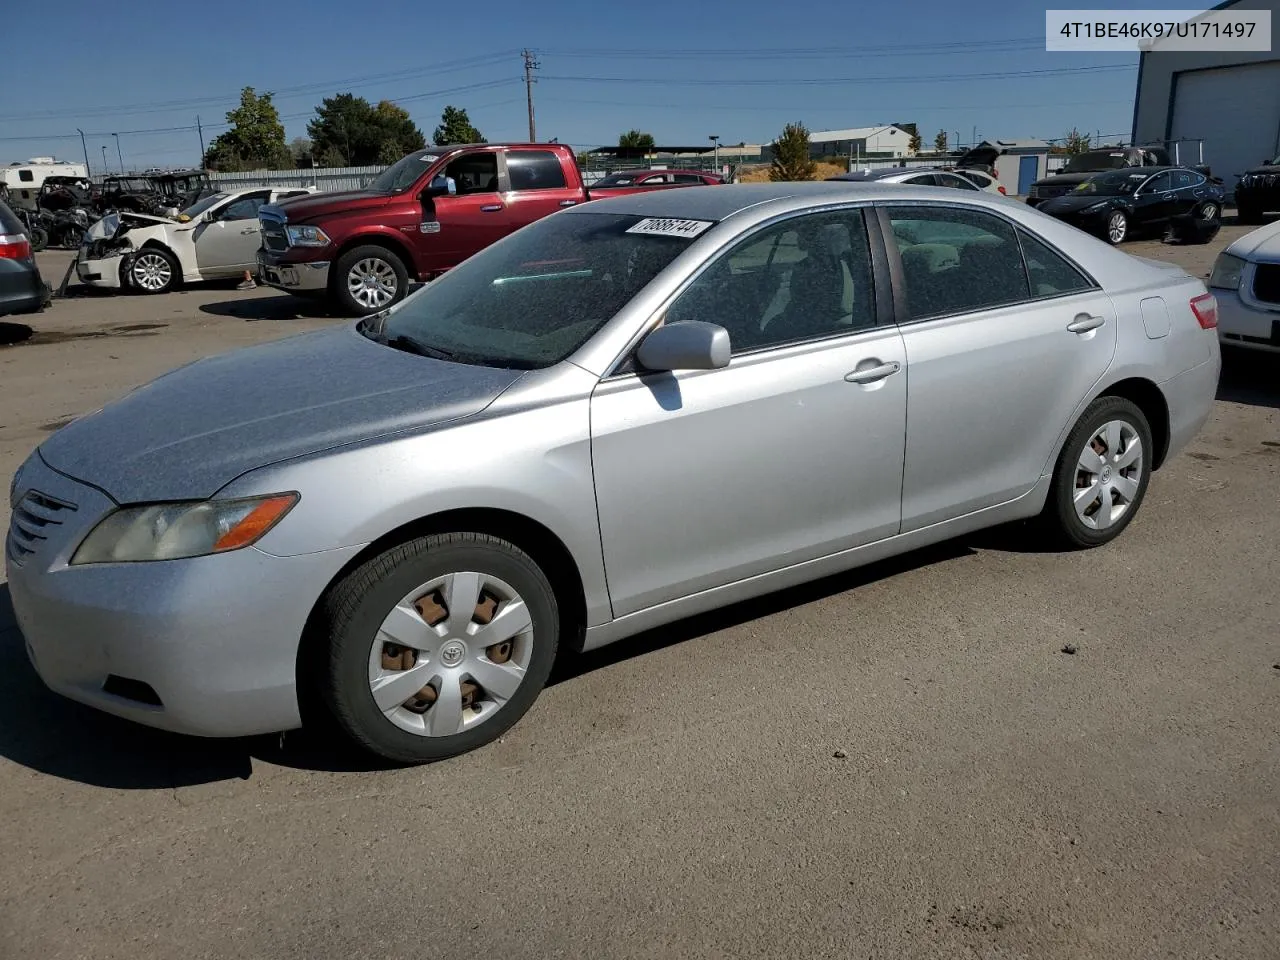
<point>455,127</point>
<point>1076,142</point>
<point>350,131</point>
<point>300,147</point>
<point>913,145</point>
<point>255,140</point>
<point>791,155</point>
<point>637,140</point>
<point>940,142</point>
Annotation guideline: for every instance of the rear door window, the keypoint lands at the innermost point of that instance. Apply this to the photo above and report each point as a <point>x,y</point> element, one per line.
<point>535,170</point>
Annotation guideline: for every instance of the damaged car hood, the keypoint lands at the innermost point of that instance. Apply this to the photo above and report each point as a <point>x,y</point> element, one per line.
<point>189,433</point>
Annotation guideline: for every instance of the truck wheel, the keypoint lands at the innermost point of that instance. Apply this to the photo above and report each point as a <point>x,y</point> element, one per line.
<point>368,279</point>
<point>154,270</point>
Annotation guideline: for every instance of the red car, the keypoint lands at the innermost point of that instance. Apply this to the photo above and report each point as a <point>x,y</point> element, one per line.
<point>420,217</point>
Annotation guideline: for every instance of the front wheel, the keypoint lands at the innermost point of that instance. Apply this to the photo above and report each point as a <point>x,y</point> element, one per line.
<point>154,270</point>
<point>39,239</point>
<point>437,646</point>
<point>1102,474</point>
<point>369,279</point>
<point>1117,228</point>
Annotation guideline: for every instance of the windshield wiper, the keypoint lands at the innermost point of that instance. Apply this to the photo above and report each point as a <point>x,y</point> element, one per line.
<point>408,344</point>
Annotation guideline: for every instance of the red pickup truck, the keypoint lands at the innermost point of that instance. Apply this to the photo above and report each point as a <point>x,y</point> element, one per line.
<point>421,216</point>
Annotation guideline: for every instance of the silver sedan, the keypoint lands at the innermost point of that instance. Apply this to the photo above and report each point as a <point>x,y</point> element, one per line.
<point>623,414</point>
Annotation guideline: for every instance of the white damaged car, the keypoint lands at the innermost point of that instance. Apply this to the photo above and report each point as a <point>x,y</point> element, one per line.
<point>215,238</point>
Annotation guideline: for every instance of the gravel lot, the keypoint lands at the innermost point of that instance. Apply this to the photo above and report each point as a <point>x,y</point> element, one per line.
<point>896,763</point>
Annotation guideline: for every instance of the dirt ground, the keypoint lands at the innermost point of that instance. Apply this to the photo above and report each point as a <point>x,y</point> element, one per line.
<point>900,762</point>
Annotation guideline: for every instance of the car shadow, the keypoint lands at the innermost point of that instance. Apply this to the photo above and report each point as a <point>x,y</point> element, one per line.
<point>284,307</point>
<point>11,333</point>
<point>1249,377</point>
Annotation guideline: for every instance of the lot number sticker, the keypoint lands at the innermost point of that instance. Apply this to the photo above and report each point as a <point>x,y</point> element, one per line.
<point>664,227</point>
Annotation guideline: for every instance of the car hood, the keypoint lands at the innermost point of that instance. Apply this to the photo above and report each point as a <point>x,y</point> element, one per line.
<point>1065,179</point>
<point>1075,202</point>
<point>1264,170</point>
<point>1262,244</point>
<point>302,209</point>
<point>187,434</point>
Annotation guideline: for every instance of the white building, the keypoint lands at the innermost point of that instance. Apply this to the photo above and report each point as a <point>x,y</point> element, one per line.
<point>1231,101</point>
<point>882,141</point>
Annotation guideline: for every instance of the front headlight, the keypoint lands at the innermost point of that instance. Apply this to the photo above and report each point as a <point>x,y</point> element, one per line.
<point>172,531</point>
<point>1226,272</point>
<point>306,235</point>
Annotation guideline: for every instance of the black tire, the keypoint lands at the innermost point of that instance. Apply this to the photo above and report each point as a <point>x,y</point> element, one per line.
<point>340,279</point>
<point>1249,215</point>
<point>146,271</point>
<point>353,613</point>
<point>39,239</point>
<point>1201,225</point>
<point>1109,230</point>
<point>1060,518</point>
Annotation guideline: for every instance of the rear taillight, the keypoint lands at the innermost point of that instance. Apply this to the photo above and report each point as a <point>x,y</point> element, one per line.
<point>14,246</point>
<point>1002,190</point>
<point>1205,307</point>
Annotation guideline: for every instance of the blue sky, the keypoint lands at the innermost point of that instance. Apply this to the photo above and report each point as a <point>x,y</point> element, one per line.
<point>681,71</point>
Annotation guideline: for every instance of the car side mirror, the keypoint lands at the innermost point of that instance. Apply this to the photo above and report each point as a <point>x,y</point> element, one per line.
<point>690,345</point>
<point>441,186</point>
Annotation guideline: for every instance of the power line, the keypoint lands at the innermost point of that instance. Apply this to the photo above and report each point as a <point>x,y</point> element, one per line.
<point>821,81</point>
<point>808,53</point>
<point>791,107</point>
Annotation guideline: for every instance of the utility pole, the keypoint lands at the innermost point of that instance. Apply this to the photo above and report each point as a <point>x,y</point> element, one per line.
<point>119,154</point>
<point>105,171</point>
<point>85,148</point>
<point>200,132</point>
<point>715,140</point>
<point>530,65</point>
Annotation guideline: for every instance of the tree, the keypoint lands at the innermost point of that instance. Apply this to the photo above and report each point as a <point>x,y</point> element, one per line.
<point>637,140</point>
<point>1076,142</point>
<point>455,127</point>
<point>300,147</point>
<point>913,145</point>
<point>940,142</point>
<point>349,131</point>
<point>791,156</point>
<point>255,140</point>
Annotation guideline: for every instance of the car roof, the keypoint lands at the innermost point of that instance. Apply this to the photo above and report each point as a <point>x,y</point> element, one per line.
<point>733,198</point>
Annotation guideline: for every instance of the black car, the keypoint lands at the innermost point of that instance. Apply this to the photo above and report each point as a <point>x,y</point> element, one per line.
<point>922,176</point>
<point>1084,165</point>
<point>22,289</point>
<point>1120,204</point>
<point>1258,191</point>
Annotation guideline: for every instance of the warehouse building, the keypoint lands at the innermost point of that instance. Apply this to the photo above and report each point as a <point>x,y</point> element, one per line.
<point>1230,101</point>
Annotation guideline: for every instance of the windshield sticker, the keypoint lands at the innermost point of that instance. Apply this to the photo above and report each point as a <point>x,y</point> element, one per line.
<point>430,158</point>
<point>666,227</point>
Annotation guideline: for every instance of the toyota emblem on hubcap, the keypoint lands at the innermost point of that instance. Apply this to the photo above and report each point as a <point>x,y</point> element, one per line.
<point>451,653</point>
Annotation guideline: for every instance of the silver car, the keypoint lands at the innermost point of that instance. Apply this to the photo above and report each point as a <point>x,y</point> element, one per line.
<point>623,414</point>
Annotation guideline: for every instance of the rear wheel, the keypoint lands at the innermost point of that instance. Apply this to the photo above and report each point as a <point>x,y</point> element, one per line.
<point>39,239</point>
<point>437,646</point>
<point>368,279</point>
<point>153,270</point>
<point>1102,474</point>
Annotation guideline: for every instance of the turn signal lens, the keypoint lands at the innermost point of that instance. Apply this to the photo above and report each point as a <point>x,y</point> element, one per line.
<point>1205,307</point>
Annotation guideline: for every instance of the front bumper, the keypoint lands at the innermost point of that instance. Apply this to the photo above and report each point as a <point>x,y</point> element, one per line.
<point>215,639</point>
<point>293,277</point>
<point>1243,325</point>
<point>1258,199</point>
<point>100,273</point>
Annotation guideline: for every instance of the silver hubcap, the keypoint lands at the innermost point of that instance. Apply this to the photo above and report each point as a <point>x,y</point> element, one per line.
<point>1116,227</point>
<point>151,271</point>
<point>1108,475</point>
<point>1209,211</point>
<point>450,654</point>
<point>372,282</point>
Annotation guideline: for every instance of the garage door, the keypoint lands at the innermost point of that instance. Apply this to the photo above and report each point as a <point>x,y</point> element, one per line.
<point>1235,110</point>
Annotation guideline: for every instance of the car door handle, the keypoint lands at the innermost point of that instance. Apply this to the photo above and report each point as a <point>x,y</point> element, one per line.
<point>568,203</point>
<point>491,208</point>
<point>1084,323</point>
<point>872,374</point>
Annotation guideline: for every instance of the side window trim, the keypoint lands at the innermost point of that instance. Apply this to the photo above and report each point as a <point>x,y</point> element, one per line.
<point>893,263</point>
<point>882,291</point>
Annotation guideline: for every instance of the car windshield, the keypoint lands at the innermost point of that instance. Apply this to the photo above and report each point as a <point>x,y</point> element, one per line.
<point>404,173</point>
<point>1112,184</point>
<point>1097,160</point>
<point>201,206</point>
<point>534,298</point>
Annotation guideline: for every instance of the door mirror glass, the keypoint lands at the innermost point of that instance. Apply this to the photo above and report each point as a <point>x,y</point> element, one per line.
<point>689,345</point>
<point>442,186</point>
